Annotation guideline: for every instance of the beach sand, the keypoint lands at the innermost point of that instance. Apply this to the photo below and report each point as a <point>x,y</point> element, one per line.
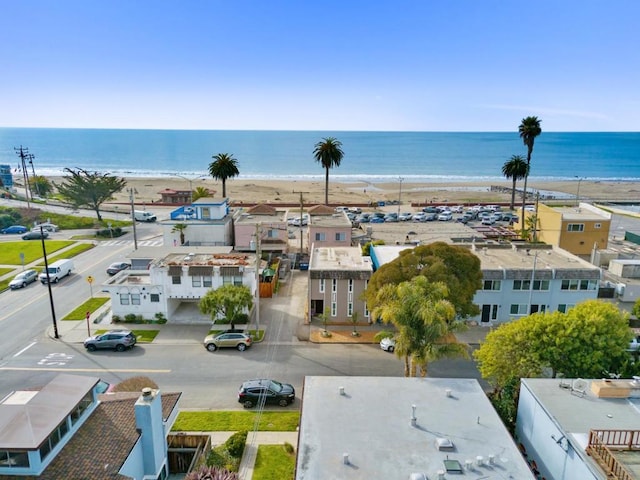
<point>250,191</point>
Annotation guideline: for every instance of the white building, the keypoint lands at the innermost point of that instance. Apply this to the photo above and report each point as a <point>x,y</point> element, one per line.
<point>580,429</point>
<point>518,280</point>
<point>205,222</point>
<point>174,283</point>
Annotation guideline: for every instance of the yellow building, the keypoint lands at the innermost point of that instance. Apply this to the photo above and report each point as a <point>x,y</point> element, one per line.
<point>575,229</point>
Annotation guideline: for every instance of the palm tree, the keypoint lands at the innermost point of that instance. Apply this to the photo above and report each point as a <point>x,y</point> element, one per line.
<point>529,129</point>
<point>200,192</point>
<point>516,169</point>
<point>424,319</point>
<point>224,167</point>
<point>180,228</point>
<point>328,153</point>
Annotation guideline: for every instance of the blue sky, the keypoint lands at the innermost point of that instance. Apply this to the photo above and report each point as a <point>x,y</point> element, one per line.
<point>423,65</point>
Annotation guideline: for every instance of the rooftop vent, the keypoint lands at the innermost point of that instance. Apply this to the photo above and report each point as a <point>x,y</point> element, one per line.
<point>444,443</point>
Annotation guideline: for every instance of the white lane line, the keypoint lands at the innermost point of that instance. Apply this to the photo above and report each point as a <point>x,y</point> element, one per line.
<point>25,349</point>
<point>115,370</point>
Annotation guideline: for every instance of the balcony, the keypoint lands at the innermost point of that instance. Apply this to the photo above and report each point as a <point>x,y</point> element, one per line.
<point>613,449</point>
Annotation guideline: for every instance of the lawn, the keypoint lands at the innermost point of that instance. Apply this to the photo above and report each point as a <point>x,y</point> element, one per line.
<point>232,421</point>
<point>90,305</point>
<point>4,271</point>
<point>32,250</point>
<point>273,462</point>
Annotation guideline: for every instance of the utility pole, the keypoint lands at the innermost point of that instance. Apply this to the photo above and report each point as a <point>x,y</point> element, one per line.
<point>400,195</point>
<point>133,218</point>
<point>301,216</point>
<point>23,153</point>
<point>258,262</point>
<point>31,157</point>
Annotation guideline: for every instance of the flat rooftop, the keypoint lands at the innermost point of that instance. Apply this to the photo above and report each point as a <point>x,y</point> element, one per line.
<point>423,233</point>
<point>207,259</point>
<point>582,212</point>
<point>506,257</point>
<point>333,220</point>
<point>339,258</point>
<point>371,425</point>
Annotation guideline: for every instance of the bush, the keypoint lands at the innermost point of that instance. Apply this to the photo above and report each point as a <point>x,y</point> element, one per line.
<point>236,443</point>
<point>135,384</point>
<point>160,318</point>
<point>288,448</point>
<point>116,319</point>
<point>130,317</point>
<point>108,233</point>
<point>635,311</point>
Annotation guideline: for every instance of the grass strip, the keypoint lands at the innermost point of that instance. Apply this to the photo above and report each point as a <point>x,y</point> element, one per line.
<point>232,421</point>
<point>32,250</point>
<point>273,462</point>
<point>91,305</point>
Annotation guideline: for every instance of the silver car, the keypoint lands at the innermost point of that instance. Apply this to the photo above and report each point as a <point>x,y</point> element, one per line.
<point>118,340</point>
<point>23,279</point>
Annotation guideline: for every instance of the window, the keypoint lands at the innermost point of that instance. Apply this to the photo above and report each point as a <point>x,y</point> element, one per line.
<point>334,309</point>
<point>526,285</point>
<point>491,285</point>
<point>350,285</point>
<point>564,308</point>
<point>124,299</point>
<point>575,227</point>
<point>320,236</point>
<point>518,309</point>
<point>232,280</point>
<point>176,280</point>
<point>272,233</point>
<point>14,459</point>
<point>81,407</point>
<point>206,212</point>
<point>154,297</point>
<point>578,285</point>
<point>135,299</point>
<point>206,281</point>
<point>341,237</point>
<point>597,226</point>
<point>349,309</point>
<point>334,285</point>
<point>321,285</point>
<point>196,281</point>
<point>53,439</point>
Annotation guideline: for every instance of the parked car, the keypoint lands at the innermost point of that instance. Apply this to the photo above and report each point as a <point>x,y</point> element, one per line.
<point>419,217</point>
<point>430,210</point>
<point>405,217</point>
<point>388,344</point>
<point>238,340</point>
<point>634,344</point>
<point>377,220</point>
<point>117,267</point>
<point>488,221</point>
<point>14,229</point>
<point>23,279</point>
<point>391,217</point>
<point>445,216</point>
<point>266,391</point>
<point>118,340</point>
<point>35,235</point>
<point>430,217</point>
<point>47,227</point>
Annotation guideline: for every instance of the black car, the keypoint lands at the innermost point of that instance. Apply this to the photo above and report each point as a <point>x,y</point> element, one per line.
<point>265,391</point>
<point>117,267</point>
<point>37,235</point>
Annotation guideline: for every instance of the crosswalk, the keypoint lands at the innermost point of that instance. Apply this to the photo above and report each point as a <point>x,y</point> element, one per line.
<point>142,243</point>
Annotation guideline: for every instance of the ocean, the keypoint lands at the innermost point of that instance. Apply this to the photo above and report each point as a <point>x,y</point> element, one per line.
<point>368,156</point>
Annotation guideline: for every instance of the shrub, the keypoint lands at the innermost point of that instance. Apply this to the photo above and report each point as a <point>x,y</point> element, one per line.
<point>288,448</point>
<point>212,473</point>
<point>635,311</point>
<point>242,318</point>
<point>116,319</point>
<point>160,318</point>
<point>236,443</point>
<point>130,317</point>
<point>135,384</point>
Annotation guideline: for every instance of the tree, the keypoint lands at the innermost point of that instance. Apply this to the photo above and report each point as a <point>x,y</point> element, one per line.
<point>224,167</point>
<point>328,153</point>
<point>228,302</point>
<point>354,321</point>
<point>180,228</point>
<point>200,192</point>
<point>41,185</point>
<point>588,341</point>
<point>82,188</point>
<point>425,322</point>
<point>457,267</point>
<point>529,129</point>
<point>515,169</point>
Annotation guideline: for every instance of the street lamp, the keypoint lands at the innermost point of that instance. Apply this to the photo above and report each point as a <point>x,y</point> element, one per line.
<point>578,191</point>
<point>190,180</point>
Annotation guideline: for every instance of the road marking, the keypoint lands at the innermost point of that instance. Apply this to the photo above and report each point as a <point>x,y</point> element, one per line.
<point>55,359</point>
<point>25,349</point>
<point>116,370</point>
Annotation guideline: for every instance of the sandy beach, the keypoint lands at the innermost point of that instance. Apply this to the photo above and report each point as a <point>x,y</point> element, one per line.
<point>251,191</point>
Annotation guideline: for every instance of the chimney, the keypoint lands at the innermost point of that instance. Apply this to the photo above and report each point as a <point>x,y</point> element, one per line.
<point>149,422</point>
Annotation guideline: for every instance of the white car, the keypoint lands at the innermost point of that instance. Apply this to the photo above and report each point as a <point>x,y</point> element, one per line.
<point>405,217</point>
<point>47,227</point>
<point>445,216</point>
<point>488,221</point>
<point>419,217</point>
<point>388,344</point>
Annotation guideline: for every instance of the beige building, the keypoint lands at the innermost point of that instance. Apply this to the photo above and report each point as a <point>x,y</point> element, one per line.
<point>577,229</point>
<point>337,278</point>
<point>328,228</point>
<point>264,221</point>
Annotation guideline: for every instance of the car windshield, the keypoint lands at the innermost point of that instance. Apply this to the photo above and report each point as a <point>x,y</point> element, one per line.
<point>275,386</point>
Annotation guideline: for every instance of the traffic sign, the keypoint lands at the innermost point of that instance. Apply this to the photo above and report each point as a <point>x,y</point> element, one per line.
<point>90,279</point>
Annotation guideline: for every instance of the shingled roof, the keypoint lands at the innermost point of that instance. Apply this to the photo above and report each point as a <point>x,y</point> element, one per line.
<point>100,447</point>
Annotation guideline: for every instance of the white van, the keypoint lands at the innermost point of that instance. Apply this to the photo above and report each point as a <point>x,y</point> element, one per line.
<point>144,216</point>
<point>57,270</point>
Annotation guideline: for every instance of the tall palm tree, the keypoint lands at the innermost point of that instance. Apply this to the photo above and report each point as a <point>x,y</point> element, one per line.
<point>515,169</point>
<point>529,129</point>
<point>180,228</point>
<point>328,153</point>
<point>224,167</point>
<point>424,319</point>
